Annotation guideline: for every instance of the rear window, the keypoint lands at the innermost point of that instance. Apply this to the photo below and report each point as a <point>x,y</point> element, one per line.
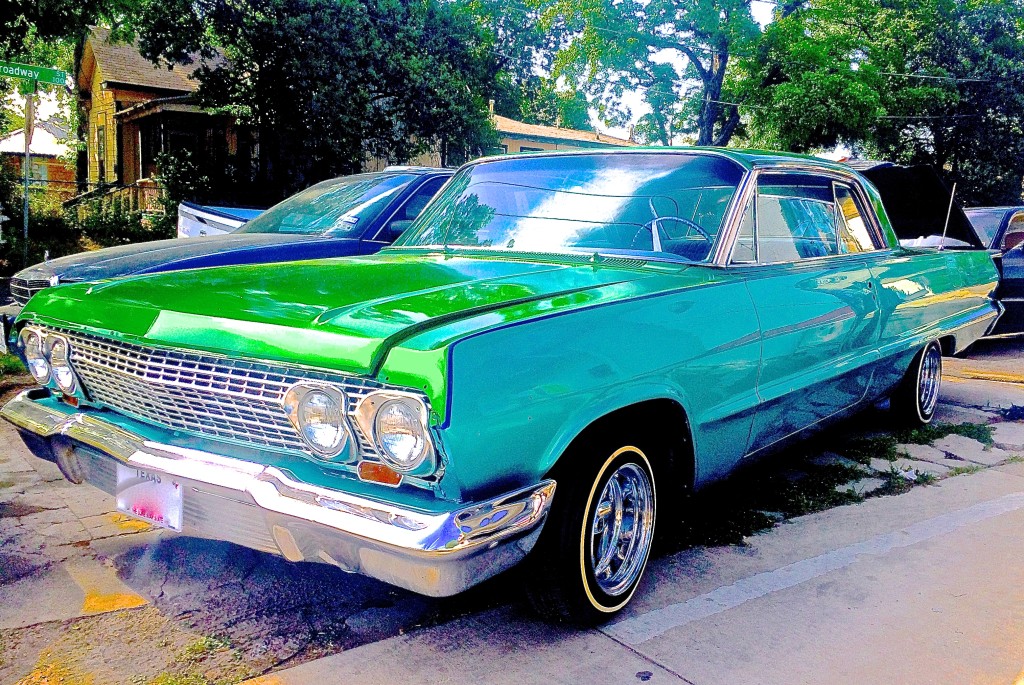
<point>339,208</point>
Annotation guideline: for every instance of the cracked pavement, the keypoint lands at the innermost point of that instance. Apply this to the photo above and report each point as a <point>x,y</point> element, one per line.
<point>88,595</point>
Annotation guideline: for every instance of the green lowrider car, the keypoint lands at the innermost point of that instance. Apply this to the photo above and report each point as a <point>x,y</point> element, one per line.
<point>560,343</point>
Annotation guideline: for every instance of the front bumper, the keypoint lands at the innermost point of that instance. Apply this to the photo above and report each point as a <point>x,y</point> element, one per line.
<point>432,553</point>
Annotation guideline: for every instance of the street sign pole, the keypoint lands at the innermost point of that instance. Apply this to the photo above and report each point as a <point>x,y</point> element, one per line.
<point>30,117</point>
<point>34,75</point>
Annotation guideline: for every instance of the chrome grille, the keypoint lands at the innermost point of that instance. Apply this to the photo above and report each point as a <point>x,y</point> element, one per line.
<point>22,290</point>
<point>212,396</point>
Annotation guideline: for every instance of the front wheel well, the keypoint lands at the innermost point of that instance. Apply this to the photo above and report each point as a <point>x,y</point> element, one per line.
<point>948,345</point>
<point>661,425</point>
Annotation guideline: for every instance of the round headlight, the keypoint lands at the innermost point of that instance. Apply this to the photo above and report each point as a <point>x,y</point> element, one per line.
<point>60,364</point>
<point>32,347</point>
<point>401,435</point>
<point>321,421</point>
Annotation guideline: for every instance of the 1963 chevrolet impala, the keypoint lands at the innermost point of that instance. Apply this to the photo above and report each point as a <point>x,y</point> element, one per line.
<point>557,345</point>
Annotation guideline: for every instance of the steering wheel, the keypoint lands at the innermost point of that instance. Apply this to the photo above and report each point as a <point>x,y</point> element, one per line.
<point>652,226</point>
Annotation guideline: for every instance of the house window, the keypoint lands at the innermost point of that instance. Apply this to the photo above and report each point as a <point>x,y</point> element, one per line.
<point>101,153</point>
<point>523,148</point>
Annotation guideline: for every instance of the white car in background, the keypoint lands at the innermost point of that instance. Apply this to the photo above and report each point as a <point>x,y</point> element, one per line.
<point>195,220</point>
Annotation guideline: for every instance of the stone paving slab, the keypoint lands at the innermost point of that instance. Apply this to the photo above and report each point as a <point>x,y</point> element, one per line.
<point>950,413</point>
<point>1009,435</point>
<point>929,453</point>
<point>909,466</point>
<point>969,449</point>
<point>862,487</point>
<point>833,459</point>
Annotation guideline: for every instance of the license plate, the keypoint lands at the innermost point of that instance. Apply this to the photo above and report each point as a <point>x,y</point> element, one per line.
<point>152,497</point>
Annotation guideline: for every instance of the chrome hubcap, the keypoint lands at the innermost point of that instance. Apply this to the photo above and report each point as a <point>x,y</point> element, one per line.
<point>622,530</point>
<point>928,381</point>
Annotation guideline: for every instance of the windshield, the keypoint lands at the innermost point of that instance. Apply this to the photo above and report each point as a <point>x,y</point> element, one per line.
<point>670,204</point>
<point>340,207</point>
<point>986,222</point>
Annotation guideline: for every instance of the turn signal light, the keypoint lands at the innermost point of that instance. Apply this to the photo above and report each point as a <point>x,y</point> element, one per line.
<point>379,473</point>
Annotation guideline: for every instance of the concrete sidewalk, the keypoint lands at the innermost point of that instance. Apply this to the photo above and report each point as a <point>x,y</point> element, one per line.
<point>927,587</point>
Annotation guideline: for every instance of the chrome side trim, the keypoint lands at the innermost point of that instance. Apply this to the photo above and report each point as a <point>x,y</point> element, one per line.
<point>433,552</point>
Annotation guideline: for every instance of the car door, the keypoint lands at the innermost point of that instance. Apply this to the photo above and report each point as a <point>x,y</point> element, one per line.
<point>806,253</point>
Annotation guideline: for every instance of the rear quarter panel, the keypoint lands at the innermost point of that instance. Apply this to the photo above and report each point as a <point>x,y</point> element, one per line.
<point>927,294</point>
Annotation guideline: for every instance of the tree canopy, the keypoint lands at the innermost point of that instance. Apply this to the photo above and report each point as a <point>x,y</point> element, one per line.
<point>324,84</point>
<point>914,81</point>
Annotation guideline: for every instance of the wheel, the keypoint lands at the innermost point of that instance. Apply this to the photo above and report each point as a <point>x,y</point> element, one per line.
<point>914,401</point>
<point>592,555</point>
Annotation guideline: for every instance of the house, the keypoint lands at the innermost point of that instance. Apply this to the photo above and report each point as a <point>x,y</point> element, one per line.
<point>516,136</point>
<point>49,151</point>
<point>135,110</point>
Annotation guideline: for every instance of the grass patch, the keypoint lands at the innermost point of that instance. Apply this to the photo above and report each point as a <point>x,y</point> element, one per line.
<point>926,435</point>
<point>755,498</point>
<point>200,648</point>
<point>865,449</point>
<point>10,365</point>
<point>964,470</point>
<point>180,679</point>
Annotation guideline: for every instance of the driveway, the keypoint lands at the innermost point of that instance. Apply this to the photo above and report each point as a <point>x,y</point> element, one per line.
<point>831,562</point>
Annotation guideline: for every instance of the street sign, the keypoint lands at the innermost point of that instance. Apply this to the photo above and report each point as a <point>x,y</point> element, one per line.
<point>27,72</point>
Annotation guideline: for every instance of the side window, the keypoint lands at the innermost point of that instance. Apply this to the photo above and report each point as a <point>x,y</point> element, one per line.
<point>408,212</point>
<point>1014,235</point>
<point>745,251</point>
<point>853,233</point>
<point>801,216</point>
<point>795,218</point>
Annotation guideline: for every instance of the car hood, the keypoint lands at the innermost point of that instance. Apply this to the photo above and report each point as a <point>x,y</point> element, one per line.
<point>344,314</point>
<point>156,255</point>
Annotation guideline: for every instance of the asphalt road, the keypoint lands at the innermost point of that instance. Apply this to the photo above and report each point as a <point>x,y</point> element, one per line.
<point>873,585</point>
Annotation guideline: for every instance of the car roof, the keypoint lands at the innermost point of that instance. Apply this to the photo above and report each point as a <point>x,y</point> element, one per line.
<point>746,158</point>
<point>410,169</point>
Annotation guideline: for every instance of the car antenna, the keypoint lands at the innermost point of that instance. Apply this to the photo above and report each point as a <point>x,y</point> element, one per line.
<point>949,211</point>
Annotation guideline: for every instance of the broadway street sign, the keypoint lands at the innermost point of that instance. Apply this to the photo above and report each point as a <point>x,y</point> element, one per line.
<point>29,73</point>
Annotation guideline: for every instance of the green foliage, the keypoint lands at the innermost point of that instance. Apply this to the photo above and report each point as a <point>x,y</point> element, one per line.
<point>925,435</point>
<point>113,222</point>
<point>324,84</point>
<point>935,82</point>
<point>615,46</point>
<point>180,178</point>
<point>524,44</point>
<point>50,234</point>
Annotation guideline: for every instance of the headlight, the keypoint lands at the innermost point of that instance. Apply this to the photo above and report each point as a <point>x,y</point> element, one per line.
<point>59,354</point>
<point>318,414</point>
<point>400,432</point>
<point>31,342</point>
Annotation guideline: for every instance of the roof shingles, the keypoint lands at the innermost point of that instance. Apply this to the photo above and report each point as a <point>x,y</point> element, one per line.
<point>123,63</point>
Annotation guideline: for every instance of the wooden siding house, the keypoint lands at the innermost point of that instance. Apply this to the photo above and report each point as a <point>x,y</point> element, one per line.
<point>51,173</point>
<point>135,110</point>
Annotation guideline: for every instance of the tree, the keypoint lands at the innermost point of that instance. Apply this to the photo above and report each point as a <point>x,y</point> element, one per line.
<point>323,84</point>
<point>675,52</point>
<point>524,45</point>
<point>936,82</point>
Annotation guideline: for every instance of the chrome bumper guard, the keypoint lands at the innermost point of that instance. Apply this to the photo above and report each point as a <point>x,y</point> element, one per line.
<point>435,554</point>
